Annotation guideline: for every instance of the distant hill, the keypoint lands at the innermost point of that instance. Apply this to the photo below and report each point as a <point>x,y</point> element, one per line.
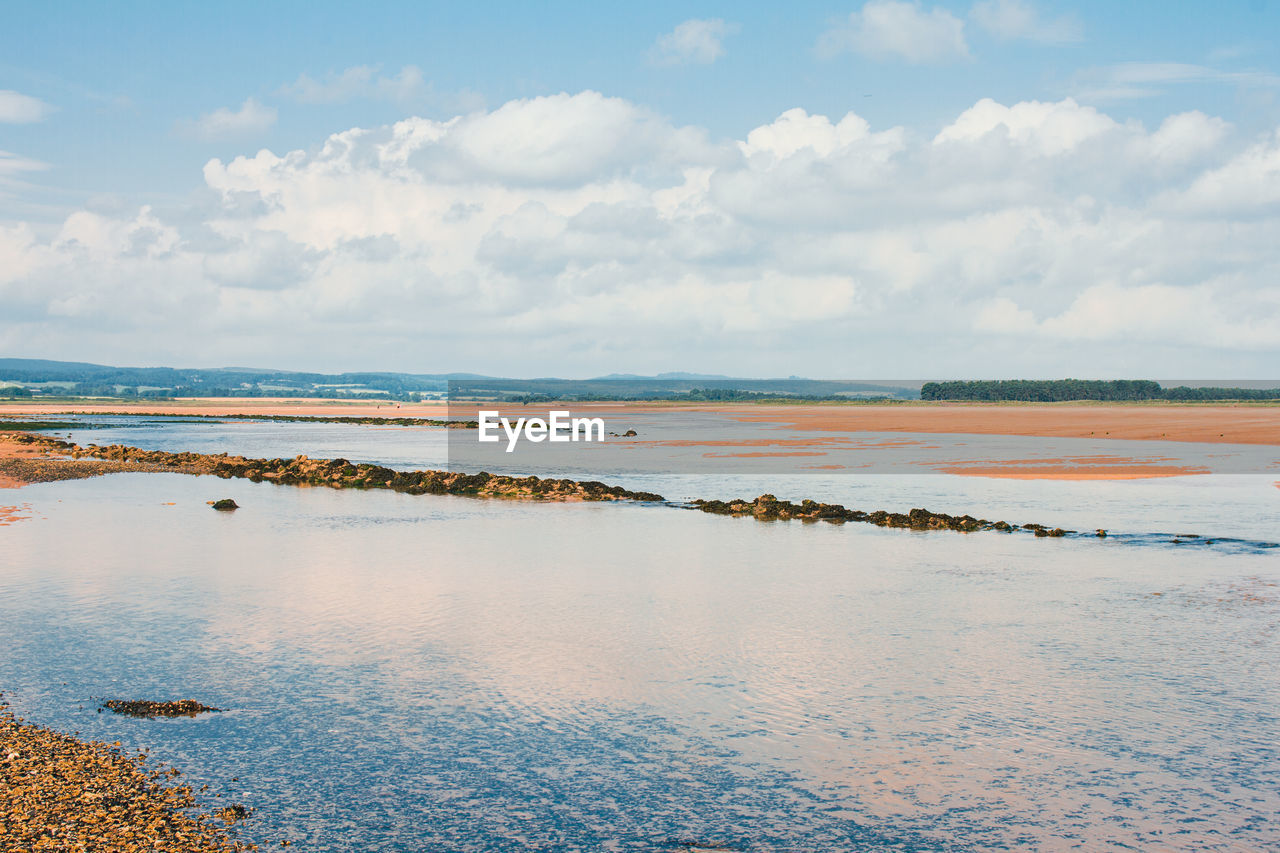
<point>720,389</point>
<point>17,364</point>
<point>33,377</point>
<point>38,377</point>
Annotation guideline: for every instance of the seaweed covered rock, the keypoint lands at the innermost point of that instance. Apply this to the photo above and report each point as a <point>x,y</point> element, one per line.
<point>148,709</point>
<point>769,508</point>
<point>341,473</point>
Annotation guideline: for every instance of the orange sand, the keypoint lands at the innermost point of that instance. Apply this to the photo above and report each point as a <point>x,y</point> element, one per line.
<point>1217,424</point>
<point>752,442</point>
<point>762,455</point>
<point>1072,472</point>
<point>8,450</point>
<point>843,441</point>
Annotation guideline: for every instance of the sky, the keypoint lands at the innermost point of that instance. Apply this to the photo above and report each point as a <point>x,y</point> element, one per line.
<point>888,189</point>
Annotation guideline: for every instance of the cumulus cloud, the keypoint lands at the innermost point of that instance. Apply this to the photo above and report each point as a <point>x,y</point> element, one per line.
<point>1016,19</point>
<point>796,130</point>
<point>695,41</point>
<point>891,29</point>
<point>578,226</point>
<point>1049,128</point>
<point>17,108</point>
<point>359,81</point>
<point>1248,183</point>
<point>223,123</point>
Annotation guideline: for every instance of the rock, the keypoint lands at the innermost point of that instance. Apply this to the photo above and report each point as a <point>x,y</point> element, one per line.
<point>629,433</point>
<point>224,505</point>
<point>233,813</point>
<point>149,710</point>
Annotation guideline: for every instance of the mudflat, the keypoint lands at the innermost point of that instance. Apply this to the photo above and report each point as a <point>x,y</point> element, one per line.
<point>1232,424</point>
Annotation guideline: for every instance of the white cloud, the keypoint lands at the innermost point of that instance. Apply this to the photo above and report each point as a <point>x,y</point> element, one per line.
<point>360,81</point>
<point>1016,19</point>
<point>516,239</point>
<point>1049,128</point>
<point>17,108</point>
<point>12,169</point>
<point>1179,72</point>
<point>556,139</point>
<point>1149,313</point>
<point>886,29</point>
<point>1184,136</point>
<point>12,164</point>
<point>1131,80</point>
<point>1003,316</point>
<point>223,123</point>
<point>1248,183</point>
<point>795,130</point>
<point>695,41</point>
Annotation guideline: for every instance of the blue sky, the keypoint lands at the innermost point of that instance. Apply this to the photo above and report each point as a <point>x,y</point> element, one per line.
<point>147,119</point>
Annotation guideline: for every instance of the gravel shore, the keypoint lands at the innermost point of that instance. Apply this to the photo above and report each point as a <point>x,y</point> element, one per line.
<point>61,793</point>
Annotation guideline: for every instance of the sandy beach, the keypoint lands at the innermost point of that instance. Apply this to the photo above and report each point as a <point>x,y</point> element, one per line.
<point>23,463</point>
<point>1232,424</point>
<point>10,449</point>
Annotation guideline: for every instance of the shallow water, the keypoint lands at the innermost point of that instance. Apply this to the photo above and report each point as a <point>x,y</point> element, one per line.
<point>449,673</point>
<point>1243,506</point>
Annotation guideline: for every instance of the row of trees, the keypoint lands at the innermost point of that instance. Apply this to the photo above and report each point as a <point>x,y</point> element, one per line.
<point>1064,390</point>
<point>84,379</point>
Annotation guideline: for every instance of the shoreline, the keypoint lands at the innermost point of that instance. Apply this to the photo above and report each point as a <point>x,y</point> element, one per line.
<point>23,463</point>
<point>58,792</point>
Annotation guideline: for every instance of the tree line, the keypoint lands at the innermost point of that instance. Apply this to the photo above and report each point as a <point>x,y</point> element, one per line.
<point>1066,390</point>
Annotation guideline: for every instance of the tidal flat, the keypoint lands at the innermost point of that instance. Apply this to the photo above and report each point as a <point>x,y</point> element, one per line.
<point>401,671</point>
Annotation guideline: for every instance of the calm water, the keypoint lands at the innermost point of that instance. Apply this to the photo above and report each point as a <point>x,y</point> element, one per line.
<point>455,674</point>
<point>1220,505</point>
